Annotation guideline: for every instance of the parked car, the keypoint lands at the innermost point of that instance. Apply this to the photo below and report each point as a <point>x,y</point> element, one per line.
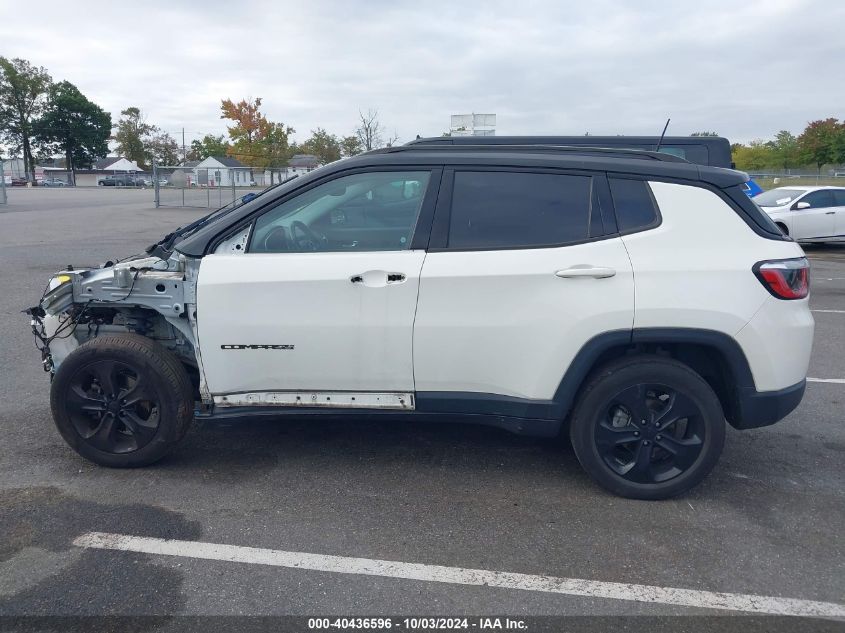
<point>751,188</point>
<point>491,286</point>
<point>53,182</point>
<point>120,181</point>
<point>18,182</point>
<point>807,214</point>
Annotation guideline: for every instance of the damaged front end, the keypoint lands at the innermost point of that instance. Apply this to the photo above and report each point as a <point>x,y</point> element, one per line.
<point>149,296</point>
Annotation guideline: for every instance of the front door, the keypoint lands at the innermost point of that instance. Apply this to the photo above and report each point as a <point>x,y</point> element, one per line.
<point>323,299</point>
<point>839,200</point>
<point>816,221</point>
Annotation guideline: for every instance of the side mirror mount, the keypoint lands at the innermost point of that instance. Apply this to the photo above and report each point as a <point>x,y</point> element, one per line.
<point>801,205</point>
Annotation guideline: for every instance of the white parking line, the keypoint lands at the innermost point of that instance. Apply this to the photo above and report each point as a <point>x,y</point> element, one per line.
<point>830,311</point>
<point>836,381</point>
<point>462,576</point>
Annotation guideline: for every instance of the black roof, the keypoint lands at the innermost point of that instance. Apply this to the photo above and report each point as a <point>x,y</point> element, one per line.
<point>227,161</point>
<point>584,150</point>
<point>423,156</point>
<point>304,160</point>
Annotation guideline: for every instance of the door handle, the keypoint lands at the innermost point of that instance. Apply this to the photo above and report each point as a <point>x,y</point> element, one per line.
<point>830,212</point>
<point>594,272</point>
<point>378,278</point>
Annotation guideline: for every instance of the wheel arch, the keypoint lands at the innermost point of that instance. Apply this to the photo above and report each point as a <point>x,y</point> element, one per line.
<point>714,355</point>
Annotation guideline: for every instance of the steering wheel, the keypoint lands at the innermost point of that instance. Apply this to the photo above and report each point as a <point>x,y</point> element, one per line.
<point>308,240</point>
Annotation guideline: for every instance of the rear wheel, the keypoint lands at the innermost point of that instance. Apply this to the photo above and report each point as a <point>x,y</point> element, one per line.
<point>648,428</point>
<point>122,400</point>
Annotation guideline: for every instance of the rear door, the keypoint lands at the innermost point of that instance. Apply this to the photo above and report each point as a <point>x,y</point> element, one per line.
<point>324,298</point>
<point>523,269</point>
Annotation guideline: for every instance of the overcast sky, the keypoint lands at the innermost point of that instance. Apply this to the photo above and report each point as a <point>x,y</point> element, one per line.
<point>744,69</point>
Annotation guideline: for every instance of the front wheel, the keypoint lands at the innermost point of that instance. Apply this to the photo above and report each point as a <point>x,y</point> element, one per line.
<point>122,400</point>
<point>648,427</point>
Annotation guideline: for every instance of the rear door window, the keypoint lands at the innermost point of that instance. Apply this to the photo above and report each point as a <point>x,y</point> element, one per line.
<point>501,209</point>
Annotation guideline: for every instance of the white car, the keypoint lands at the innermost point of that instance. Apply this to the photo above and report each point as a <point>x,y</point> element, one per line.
<point>625,298</point>
<point>807,214</point>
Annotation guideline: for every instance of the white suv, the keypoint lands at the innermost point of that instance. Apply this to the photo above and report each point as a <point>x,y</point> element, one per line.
<point>629,298</point>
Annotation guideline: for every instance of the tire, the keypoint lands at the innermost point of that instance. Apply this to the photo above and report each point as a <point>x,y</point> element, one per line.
<point>647,427</point>
<point>122,400</point>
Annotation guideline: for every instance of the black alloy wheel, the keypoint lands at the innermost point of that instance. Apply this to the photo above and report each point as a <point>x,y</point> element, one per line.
<point>122,400</point>
<point>112,407</point>
<point>650,433</point>
<point>647,427</point>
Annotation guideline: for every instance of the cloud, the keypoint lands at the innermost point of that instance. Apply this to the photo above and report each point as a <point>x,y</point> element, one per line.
<point>608,67</point>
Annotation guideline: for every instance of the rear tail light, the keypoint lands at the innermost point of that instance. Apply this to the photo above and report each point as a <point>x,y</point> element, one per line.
<point>785,278</point>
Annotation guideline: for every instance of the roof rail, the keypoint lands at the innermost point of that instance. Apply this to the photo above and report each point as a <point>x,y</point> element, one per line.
<point>567,149</point>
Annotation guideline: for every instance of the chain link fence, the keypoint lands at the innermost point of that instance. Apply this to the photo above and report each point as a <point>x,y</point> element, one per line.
<point>769,179</point>
<point>210,187</point>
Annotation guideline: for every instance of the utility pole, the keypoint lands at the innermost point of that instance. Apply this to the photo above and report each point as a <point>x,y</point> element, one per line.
<point>184,155</point>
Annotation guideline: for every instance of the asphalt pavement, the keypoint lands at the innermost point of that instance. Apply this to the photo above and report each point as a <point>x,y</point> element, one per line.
<point>767,522</point>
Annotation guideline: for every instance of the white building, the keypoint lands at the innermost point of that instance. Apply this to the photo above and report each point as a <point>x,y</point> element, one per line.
<point>222,171</point>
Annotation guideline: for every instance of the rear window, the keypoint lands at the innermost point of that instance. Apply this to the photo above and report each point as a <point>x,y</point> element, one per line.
<point>693,153</point>
<point>635,206</point>
<point>839,197</point>
<point>495,209</point>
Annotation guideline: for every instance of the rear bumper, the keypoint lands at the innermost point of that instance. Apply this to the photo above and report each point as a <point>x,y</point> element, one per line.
<point>763,408</point>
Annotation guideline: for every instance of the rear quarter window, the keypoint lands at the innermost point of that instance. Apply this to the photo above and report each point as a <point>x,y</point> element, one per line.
<point>636,209</point>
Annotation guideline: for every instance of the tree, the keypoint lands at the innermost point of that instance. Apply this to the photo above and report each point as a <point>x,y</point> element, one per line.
<point>161,148</point>
<point>133,135</point>
<point>255,140</point>
<point>77,127</point>
<point>391,142</point>
<point>23,95</point>
<point>704,134</point>
<point>273,145</point>
<point>210,145</point>
<point>755,156</point>
<point>369,130</point>
<point>819,142</point>
<point>323,145</point>
<point>786,149</point>
<point>350,146</point>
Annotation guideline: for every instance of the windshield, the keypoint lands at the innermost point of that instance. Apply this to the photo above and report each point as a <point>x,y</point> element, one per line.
<point>778,197</point>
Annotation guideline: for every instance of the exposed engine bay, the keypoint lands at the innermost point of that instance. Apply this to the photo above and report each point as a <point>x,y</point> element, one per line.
<point>150,296</point>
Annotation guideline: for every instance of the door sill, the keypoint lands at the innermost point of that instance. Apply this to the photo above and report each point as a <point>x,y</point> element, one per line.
<point>324,399</point>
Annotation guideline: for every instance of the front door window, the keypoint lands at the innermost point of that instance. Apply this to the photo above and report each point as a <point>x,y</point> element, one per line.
<point>371,211</point>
